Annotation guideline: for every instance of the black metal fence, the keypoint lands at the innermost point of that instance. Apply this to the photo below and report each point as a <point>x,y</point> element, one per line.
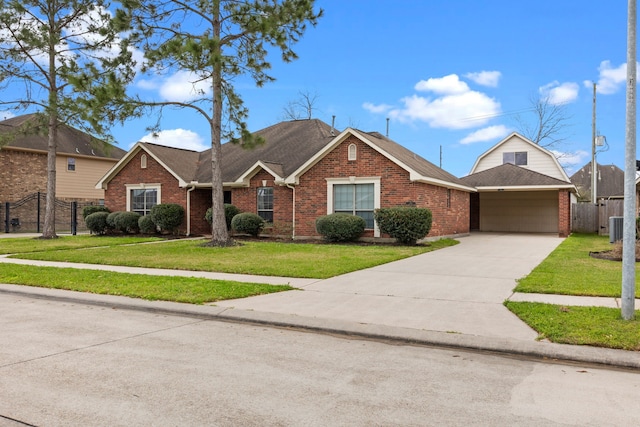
<point>27,215</point>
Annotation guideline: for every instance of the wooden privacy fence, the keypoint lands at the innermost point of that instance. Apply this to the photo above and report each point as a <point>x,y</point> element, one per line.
<point>590,218</point>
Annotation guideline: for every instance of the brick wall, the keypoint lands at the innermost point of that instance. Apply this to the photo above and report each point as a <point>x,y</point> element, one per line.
<point>564,213</point>
<point>116,194</point>
<point>21,173</point>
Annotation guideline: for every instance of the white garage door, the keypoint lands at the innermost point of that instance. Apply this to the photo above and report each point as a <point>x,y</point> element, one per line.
<point>525,212</point>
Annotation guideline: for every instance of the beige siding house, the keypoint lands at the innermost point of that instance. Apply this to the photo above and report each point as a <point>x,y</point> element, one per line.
<point>521,188</point>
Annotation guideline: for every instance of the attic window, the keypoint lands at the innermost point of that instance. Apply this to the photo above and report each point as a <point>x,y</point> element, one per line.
<point>518,158</point>
<point>71,164</point>
<point>352,152</point>
<point>143,161</point>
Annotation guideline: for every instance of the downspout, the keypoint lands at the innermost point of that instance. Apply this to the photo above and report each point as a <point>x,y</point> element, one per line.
<point>189,190</point>
<point>293,226</point>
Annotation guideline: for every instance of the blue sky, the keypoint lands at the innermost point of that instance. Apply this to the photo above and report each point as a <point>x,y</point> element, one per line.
<point>449,74</point>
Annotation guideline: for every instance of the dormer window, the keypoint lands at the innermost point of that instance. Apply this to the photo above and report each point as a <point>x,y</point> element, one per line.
<point>353,152</point>
<point>518,158</point>
<point>143,161</point>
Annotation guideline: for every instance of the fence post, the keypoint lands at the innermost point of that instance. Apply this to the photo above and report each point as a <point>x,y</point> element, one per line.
<point>38,215</point>
<point>74,218</point>
<point>6,217</point>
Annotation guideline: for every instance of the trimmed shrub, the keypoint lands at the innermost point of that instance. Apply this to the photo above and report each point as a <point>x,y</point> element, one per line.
<point>127,222</point>
<point>146,225</point>
<point>340,227</point>
<point>97,222</point>
<point>406,224</point>
<point>248,223</point>
<point>229,212</point>
<point>111,220</point>
<point>167,216</point>
<point>88,210</point>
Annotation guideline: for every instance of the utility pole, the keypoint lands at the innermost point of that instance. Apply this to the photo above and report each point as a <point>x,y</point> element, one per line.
<point>594,164</point>
<point>629,219</point>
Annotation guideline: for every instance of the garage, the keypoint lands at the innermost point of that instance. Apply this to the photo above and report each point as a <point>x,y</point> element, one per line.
<point>519,211</point>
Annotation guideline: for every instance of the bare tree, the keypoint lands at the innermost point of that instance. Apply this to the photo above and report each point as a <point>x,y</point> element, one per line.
<point>549,123</point>
<point>302,107</point>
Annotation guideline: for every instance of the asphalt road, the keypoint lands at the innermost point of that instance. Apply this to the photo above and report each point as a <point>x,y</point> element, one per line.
<point>71,364</point>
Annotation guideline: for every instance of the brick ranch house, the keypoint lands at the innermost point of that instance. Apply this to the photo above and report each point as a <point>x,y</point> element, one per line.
<point>303,171</point>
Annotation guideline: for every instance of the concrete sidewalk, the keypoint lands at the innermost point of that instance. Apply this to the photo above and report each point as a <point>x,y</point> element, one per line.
<point>450,297</point>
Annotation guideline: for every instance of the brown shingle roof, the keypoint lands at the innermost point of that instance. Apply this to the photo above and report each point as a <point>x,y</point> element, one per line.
<point>288,144</point>
<point>610,181</point>
<point>508,175</point>
<point>70,140</point>
<point>412,160</point>
<point>182,162</point>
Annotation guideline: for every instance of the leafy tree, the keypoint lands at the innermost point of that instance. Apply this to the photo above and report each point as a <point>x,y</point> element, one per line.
<point>215,42</point>
<point>65,60</point>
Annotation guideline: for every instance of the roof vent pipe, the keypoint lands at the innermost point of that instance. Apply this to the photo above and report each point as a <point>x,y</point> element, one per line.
<point>387,135</point>
<point>333,123</point>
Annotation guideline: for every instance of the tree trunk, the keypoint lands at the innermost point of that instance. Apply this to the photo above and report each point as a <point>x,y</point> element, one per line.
<point>219,233</point>
<point>49,231</point>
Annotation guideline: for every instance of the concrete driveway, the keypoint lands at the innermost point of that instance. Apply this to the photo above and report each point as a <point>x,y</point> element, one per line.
<point>459,289</point>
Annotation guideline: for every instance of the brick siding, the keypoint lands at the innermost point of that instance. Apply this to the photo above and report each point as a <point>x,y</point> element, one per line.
<point>22,173</point>
<point>564,213</point>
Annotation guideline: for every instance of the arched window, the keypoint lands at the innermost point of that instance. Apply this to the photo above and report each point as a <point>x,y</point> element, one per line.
<point>143,161</point>
<point>352,152</point>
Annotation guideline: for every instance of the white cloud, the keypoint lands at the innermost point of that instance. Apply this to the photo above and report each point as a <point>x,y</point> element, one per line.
<point>459,111</point>
<point>485,78</point>
<point>486,134</point>
<point>6,115</point>
<point>184,86</point>
<point>557,93</point>
<point>611,79</point>
<point>376,109</point>
<point>447,85</point>
<point>569,160</point>
<point>178,138</point>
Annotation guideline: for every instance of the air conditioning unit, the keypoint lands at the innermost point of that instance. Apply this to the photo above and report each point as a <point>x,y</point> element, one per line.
<point>616,229</point>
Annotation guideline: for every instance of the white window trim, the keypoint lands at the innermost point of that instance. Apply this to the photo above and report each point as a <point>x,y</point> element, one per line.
<point>142,186</point>
<point>143,161</point>
<point>352,152</point>
<point>375,180</point>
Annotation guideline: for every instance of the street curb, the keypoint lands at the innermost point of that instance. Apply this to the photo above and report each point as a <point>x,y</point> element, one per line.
<point>530,349</point>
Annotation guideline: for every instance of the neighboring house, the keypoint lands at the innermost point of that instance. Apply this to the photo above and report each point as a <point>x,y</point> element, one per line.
<point>609,185</point>
<point>303,171</point>
<point>521,187</point>
<point>79,163</point>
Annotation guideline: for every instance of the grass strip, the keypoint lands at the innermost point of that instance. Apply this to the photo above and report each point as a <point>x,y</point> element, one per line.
<point>16,245</point>
<point>165,288</point>
<point>569,270</point>
<point>594,326</point>
<point>305,260</point>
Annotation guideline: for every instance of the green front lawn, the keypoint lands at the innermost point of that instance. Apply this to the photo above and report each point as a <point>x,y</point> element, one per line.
<point>14,245</point>
<point>307,260</point>
<point>569,270</point>
<point>166,288</point>
<point>595,326</point>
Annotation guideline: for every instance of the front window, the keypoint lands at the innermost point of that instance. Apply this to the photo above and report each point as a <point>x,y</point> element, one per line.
<point>518,158</point>
<point>143,199</point>
<point>355,199</point>
<point>71,164</point>
<point>265,203</point>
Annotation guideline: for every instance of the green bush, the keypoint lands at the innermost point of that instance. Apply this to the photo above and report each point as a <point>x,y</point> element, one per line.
<point>229,212</point>
<point>167,216</point>
<point>146,225</point>
<point>127,222</point>
<point>88,210</point>
<point>340,227</point>
<point>248,223</point>
<point>406,224</point>
<point>97,222</point>
<point>111,220</point>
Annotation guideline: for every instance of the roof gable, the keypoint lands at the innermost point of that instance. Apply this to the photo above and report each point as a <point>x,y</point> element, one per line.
<point>540,159</point>
<point>70,140</point>
<point>610,181</point>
